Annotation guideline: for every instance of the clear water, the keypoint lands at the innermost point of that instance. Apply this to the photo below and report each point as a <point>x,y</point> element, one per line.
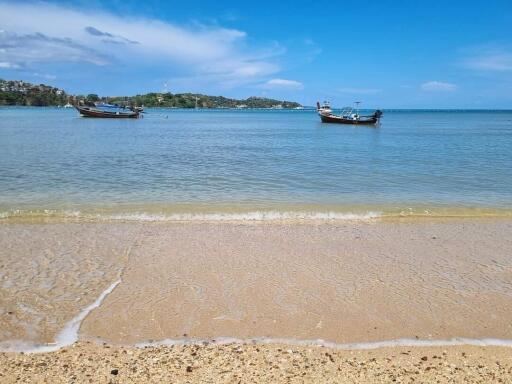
<point>186,162</point>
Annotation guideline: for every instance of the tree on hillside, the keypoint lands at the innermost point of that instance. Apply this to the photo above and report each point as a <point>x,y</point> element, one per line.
<point>92,97</point>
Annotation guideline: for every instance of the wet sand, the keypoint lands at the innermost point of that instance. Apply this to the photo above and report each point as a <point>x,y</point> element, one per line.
<point>341,281</point>
<point>50,272</point>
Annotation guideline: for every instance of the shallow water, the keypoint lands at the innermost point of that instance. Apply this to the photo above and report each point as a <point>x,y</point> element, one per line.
<point>353,283</point>
<point>50,273</point>
<point>179,164</point>
<point>98,185</point>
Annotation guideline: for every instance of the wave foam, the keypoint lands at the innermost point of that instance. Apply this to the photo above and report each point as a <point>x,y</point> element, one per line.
<point>484,342</point>
<point>212,213</point>
<point>246,216</point>
<point>43,213</point>
<point>67,336</point>
<point>273,215</point>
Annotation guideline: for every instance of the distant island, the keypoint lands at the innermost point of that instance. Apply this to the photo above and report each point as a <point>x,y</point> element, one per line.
<point>192,100</point>
<point>18,92</point>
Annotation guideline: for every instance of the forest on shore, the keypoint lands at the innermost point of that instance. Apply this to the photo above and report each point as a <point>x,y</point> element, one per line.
<point>18,92</point>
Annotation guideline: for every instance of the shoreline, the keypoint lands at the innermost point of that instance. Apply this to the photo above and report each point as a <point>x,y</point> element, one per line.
<point>249,217</point>
<point>462,342</point>
<point>247,211</point>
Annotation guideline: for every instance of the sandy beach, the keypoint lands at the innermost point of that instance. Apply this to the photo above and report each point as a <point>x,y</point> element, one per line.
<point>233,363</point>
<point>112,286</point>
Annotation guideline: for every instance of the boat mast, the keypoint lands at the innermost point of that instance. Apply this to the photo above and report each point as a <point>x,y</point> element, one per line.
<point>357,107</point>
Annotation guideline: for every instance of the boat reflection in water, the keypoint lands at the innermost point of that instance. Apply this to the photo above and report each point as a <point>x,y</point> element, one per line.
<point>348,115</point>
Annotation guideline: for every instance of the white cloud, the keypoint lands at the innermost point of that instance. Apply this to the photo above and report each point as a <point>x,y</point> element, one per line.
<point>8,65</point>
<point>495,60</point>
<point>35,32</point>
<point>283,84</point>
<point>312,49</point>
<point>24,50</point>
<point>438,86</point>
<point>44,75</point>
<point>360,91</point>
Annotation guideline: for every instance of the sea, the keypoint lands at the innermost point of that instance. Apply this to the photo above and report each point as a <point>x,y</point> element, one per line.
<point>253,165</point>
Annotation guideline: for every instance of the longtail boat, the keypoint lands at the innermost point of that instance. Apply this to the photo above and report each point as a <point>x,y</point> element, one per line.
<point>110,113</point>
<point>349,115</point>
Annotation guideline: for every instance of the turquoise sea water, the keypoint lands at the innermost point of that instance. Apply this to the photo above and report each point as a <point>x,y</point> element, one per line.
<point>253,164</point>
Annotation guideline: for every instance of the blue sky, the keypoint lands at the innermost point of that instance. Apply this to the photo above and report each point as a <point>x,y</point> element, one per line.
<point>389,54</point>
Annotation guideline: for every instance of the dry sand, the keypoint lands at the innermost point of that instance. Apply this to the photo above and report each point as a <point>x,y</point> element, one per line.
<point>93,363</point>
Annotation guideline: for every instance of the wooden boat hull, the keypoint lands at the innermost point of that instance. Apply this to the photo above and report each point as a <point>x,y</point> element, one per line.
<point>91,112</point>
<point>333,119</point>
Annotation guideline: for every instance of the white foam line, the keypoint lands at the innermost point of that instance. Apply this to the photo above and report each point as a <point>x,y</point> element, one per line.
<point>484,342</point>
<point>67,336</point>
<point>271,215</point>
<point>247,216</point>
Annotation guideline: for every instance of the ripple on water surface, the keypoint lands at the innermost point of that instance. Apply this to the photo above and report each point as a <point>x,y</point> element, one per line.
<point>50,158</point>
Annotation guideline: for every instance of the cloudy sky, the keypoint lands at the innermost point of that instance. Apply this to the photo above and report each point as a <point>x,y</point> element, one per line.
<point>390,53</point>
